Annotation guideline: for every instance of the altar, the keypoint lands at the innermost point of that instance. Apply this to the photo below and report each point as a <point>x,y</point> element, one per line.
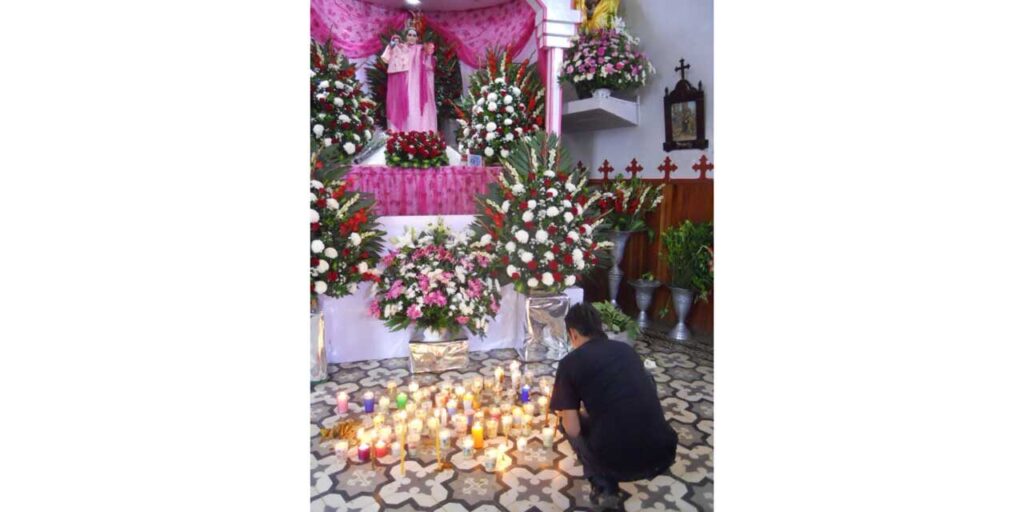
<point>447,190</point>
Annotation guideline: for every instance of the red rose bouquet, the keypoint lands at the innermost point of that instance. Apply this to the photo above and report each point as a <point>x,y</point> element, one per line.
<point>416,149</point>
<point>542,217</point>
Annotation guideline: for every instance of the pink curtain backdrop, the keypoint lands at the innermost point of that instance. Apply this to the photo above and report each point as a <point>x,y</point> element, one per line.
<point>450,190</point>
<point>355,27</point>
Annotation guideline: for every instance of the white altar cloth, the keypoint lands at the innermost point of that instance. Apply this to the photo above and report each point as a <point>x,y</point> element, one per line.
<point>353,335</point>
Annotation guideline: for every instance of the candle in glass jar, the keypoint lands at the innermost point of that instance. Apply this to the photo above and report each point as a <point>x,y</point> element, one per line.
<point>490,459</point>
<point>444,417</point>
<point>517,416</point>
<point>528,409</point>
<point>342,399</point>
<point>521,444</point>
<point>385,433</point>
<point>467,446</point>
<point>478,435</point>
<point>461,423</point>
<point>368,401</point>
<point>378,419</point>
<point>514,366</point>
<point>384,403</point>
<point>392,386</point>
<point>478,384</point>
<point>515,379</point>
<point>543,402</point>
<point>446,436</point>
<point>452,407</point>
<point>412,443</point>
<point>467,402</point>
<point>492,429</point>
<point>396,449</point>
<point>506,423</point>
<point>524,393</point>
<point>414,387</point>
<point>548,435</point>
<point>382,449</point>
<point>527,423</point>
<point>415,426</point>
<point>341,451</point>
<point>528,377</point>
<point>400,400</point>
<point>498,374</point>
<point>459,391</point>
<point>433,424</point>
<point>364,452</point>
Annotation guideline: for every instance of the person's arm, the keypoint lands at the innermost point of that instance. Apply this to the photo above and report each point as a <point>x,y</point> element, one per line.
<point>570,422</point>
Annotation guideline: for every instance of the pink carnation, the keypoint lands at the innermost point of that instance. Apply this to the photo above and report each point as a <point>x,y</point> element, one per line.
<point>375,309</point>
<point>462,320</point>
<point>413,312</point>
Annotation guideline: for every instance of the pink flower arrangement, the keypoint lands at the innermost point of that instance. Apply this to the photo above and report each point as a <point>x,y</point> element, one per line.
<point>606,58</point>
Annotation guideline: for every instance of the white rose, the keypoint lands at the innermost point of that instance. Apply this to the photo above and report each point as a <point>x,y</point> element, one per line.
<point>338,84</point>
<point>518,189</point>
<point>508,137</point>
<point>356,137</point>
<point>486,239</point>
<point>323,266</point>
<point>367,134</point>
<point>541,236</point>
<point>588,228</point>
<point>570,280</point>
<point>492,97</point>
<point>490,136</point>
<point>504,153</point>
<point>355,239</point>
<point>349,147</point>
<point>532,282</point>
<point>548,256</point>
<point>526,256</point>
<point>509,109</point>
<point>362,267</point>
<point>317,246</point>
<point>318,130</point>
<point>328,141</point>
<point>491,126</point>
<point>574,235</point>
<point>552,211</point>
<point>547,279</point>
<point>332,203</point>
<point>323,85</point>
<point>516,91</point>
<point>316,184</point>
<point>505,205</point>
<point>570,187</point>
<point>508,99</point>
<point>531,203</point>
<point>331,252</point>
<point>320,287</point>
<point>465,132</point>
<point>510,246</point>
<point>492,106</point>
<point>313,216</point>
<point>489,151</point>
<point>511,270</point>
<point>568,217</point>
<point>527,216</point>
<point>521,235</point>
<point>338,102</point>
<point>549,173</point>
<point>344,118</point>
<point>551,192</point>
<point>508,121</point>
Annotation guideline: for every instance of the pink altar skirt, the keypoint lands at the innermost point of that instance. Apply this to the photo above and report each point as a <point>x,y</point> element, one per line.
<point>449,190</point>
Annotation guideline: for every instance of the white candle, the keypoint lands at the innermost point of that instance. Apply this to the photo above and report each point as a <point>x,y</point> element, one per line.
<point>446,436</point>
<point>414,387</point>
<point>342,399</point>
<point>490,458</point>
<point>548,435</point>
<point>543,402</point>
<point>506,423</point>
<point>384,403</point>
<point>521,444</point>
<point>396,449</point>
<point>341,451</point>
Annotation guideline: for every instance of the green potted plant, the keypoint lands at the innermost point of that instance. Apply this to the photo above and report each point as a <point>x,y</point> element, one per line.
<point>616,323</point>
<point>643,290</point>
<point>689,253</point>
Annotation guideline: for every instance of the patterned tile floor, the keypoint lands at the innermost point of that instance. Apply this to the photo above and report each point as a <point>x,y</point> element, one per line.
<point>540,479</point>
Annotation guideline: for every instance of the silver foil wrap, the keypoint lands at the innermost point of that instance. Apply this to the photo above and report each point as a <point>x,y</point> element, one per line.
<point>545,327</point>
<point>433,351</point>
<point>317,347</point>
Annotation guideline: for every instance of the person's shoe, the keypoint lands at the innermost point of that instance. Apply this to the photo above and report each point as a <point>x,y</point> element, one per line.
<point>608,501</point>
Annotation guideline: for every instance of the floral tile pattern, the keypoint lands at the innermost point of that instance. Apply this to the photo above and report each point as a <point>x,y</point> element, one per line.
<point>539,478</point>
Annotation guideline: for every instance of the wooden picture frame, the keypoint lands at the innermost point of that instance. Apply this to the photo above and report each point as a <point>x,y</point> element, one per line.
<point>684,115</point>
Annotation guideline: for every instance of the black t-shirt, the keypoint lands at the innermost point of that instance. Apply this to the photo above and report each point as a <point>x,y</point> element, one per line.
<point>627,432</point>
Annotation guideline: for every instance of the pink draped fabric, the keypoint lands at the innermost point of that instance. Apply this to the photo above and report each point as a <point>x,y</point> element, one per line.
<point>450,190</point>
<point>355,27</point>
<point>410,102</point>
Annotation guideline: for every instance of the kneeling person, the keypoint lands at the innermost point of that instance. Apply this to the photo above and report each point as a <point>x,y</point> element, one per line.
<point>622,434</point>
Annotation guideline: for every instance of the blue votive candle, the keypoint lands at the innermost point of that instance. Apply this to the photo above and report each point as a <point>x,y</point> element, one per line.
<point>524,393</point>
<point>368,402</point>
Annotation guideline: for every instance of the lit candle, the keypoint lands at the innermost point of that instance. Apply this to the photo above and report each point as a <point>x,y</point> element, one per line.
<point>385,433</point>
<point>364,452</point>
<point>416,426</point>
<point>506,408</point>
<point>517,416</point>
<point>527,423</point>
<point>543,402</point>
<point>528,377</point>
<point>392,386</point>
<point>514,366</point>
<point>461,423</point>
<point>412,443</point>
<point>341,451</point>
<point>529,409</point>
<point>460,391</point>
<point>446,436</point>
<point>496,413</point>
<point>368,401</point>
<point>446,386</point>
<point>467,446</point>
<point>378,419</point>
<point>478,384</point>
<point>524,393</point>
<point>384,403</point>
<point>400,430</point>
<point>506,423</point>
<point>515,379</point>
<point>432,424</point>
<point>361,435</point>
<point>498,374</point>
<point>521,444</point>
<point>396,449</point>
<point>478,435</point>
<point>400,400</point>
<point>382,449</point>
<point>492,429</point>
<point>548,435</point>
<point>414,387</point>
<point>452,406</point>
<point>444,417</point>
<point>490,458</point>
<point>467,402</point>
<point>342,399</point>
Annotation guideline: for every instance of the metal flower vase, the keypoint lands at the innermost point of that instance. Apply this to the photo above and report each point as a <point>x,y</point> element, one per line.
<point>644,290</point>
<point>438,350</point>
<point>317,344</point>
<point>683,299</point>
<point>615,274</point>
<point>546,338</point>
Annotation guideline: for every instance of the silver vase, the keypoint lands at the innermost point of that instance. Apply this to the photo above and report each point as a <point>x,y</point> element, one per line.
<point>644,291</point>
<point>619,239</point>
<point>545,327</point>
<point>438,350</point>
<point>317,344</point>
<point>683,299</point>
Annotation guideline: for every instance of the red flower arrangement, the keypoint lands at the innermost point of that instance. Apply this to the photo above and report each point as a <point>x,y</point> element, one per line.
<point>416,149</point>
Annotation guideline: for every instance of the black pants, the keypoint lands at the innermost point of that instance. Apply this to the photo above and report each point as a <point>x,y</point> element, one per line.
<point>601,480</point>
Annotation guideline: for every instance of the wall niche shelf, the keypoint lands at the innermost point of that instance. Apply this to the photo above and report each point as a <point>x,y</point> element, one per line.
<point>599,114</point>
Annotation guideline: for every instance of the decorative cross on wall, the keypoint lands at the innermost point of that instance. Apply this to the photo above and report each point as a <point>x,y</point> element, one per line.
<point>605,169</point>
<point>682,67</point>
<point>634,168</point>
<point>667,167</point>
<point>703,166</point>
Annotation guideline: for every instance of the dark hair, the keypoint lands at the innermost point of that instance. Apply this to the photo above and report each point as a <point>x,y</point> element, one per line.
<point>585,319</point>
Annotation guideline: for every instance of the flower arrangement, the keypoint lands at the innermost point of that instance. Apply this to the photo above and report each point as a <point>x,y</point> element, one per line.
<point>615,321</point>
<point>605,58</point>
<point>437,279</point>
<point>447,74</point>
<point>339,111</point>
<point>627,202</point>
<point>416,149</point>
<point>542,217</point>
<point>504,103</point>
<point>689,252</point>
<point>344,234</point>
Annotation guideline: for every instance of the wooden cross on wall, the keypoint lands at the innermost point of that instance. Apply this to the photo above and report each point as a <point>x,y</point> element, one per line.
<point>682,67</point>
<point>703,167</point>
<point>667,167</point>
<point>605,169</point>
<point>634,168</point>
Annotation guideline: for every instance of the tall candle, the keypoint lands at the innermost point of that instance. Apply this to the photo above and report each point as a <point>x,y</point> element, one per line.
<point>400,400</point>
<point>368,401</point>
<point>524,393</point>
<point>548,435</point>
<point>527,423</point>
<point>432,424</point>
<point>342,399</point>
<point>341,451</point>
<point>478,435</point>
<point>514,366</point>
<point>364,452</point>
<point>382,449</point>
<point>444,417</point>
<point>400,430</point>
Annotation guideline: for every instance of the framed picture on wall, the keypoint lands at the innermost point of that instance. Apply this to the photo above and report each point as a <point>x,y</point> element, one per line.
<point>684,115</point>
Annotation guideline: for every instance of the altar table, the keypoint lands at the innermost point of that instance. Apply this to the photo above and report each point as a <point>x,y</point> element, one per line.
<point>449,190</point>
<point>353,335</point>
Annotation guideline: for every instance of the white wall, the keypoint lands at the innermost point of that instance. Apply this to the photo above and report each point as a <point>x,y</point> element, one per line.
<point>668,30</point>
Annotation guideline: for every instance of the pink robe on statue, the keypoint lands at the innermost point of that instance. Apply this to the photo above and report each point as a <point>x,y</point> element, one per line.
<point>410,104</point>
